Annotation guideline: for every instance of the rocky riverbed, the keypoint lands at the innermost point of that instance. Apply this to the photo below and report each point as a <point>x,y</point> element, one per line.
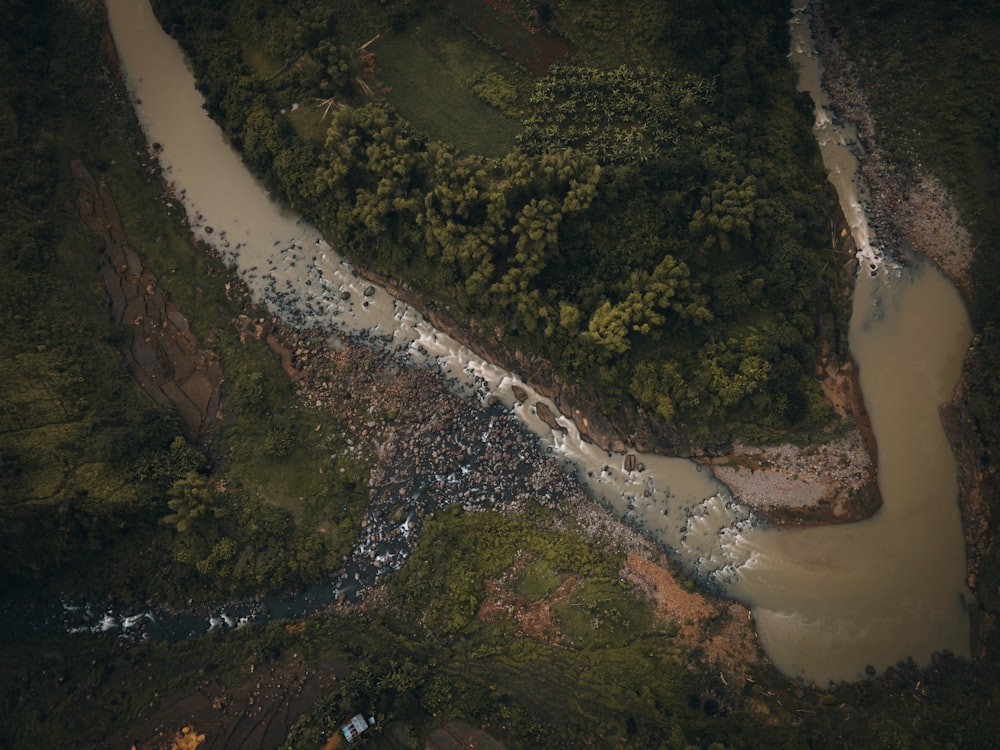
<point>431,445</point>
<point>795,484</point>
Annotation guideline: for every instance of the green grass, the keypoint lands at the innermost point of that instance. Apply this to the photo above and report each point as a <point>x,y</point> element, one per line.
<point>429,73</point>
<point>308,120</point>
<point>538,581</point>
<point>602,613</point>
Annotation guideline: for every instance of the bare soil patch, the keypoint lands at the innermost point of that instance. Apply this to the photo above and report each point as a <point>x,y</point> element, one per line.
<point>456,735</point>
<point>257,713</point>
<point>516,27</point>
<point>722,630</point>
<point>535,619</point>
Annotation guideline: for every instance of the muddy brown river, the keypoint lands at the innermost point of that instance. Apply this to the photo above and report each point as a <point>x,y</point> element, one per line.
<point>827,602</point>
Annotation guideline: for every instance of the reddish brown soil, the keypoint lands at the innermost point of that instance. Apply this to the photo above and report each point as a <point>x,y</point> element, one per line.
<point>723,630</point>
<point>515,27</point>
<point>535,619</point>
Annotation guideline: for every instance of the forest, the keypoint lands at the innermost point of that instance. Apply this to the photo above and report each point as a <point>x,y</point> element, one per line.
<point>659,232</point>
<point>650,216</point>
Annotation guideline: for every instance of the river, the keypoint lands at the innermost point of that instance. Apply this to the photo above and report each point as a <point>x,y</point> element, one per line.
<point>827,602</point>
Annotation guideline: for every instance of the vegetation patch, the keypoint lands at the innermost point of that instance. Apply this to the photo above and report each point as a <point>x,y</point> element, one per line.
<point>537,581</point>
<point>439,78</point>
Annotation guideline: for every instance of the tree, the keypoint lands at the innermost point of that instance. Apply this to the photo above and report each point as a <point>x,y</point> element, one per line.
<point>651,298</point>
<point>261,140</point>
<point>725,214</point>
<point>192,499</point>
<point>659,386</point>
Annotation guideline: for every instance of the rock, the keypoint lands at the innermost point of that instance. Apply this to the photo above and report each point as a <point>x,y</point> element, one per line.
<point>519,393</point>
<point>630,462</point>
<point>545,414</point>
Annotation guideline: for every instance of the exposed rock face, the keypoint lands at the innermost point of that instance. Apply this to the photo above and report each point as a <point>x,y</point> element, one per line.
<point>165,356</point>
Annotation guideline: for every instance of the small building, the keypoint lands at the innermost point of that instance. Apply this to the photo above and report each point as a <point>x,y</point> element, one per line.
<point>357,726</point>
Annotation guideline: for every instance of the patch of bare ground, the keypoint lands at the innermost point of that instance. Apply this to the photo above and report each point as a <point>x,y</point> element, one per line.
<point>256,713</point>
<point>460,735</point>
<point>721,630</point>
<point>535,619</point>
<point>515,27</point>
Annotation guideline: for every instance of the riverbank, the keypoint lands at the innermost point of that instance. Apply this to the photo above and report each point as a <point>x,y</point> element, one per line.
<point>911,211</point>
<point>825,477</point>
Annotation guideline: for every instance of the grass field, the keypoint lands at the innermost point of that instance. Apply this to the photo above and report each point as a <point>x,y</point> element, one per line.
<point>429,71</point>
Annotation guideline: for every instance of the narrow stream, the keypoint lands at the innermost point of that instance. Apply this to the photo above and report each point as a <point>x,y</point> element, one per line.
<point>828,601</point>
